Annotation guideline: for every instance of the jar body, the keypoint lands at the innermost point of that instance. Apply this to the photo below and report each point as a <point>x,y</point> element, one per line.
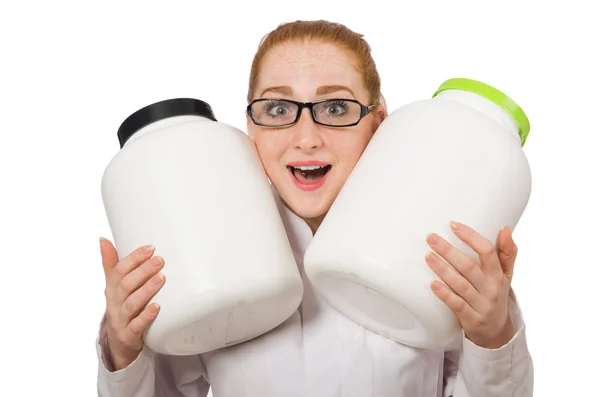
<point>197,191</point>
<point>430,162</point>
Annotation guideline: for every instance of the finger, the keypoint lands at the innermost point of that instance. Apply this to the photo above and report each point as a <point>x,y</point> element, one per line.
<point>465,313</point>
<point>459,260</point>
<point>134,304</point>
<point>456,282</point>
<point>138,276</point>
<point>140,323</point>
<point>132,261</point>
<point>109,254</point>
<point>484,248</point>
<point>507,252</point>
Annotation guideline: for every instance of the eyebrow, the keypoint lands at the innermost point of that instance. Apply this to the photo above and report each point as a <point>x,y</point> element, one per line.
<point>328,89</point>
<point>323,90</point>
<point>282,89</point>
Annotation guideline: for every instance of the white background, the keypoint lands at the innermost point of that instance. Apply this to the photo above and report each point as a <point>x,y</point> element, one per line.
<point>71,72</point>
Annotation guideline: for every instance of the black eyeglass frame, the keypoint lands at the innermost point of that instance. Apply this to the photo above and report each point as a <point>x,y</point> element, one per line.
<point>364,110</point>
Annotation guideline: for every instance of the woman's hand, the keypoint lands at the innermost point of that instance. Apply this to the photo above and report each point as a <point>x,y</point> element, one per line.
<point>130,284</point>
<point>477,294</point>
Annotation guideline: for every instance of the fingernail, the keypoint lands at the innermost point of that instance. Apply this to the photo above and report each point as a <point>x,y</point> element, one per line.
<point>436,285</point>
<point>157,261</point>
<point>147,249</point>
<point>454,225</point>
<point>154,308</point>
<point>432,238</point>
<point>431,257</point>
<point>159,278</point>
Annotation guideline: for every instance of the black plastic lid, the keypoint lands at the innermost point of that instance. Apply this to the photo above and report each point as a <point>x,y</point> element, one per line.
<point>160,111</point>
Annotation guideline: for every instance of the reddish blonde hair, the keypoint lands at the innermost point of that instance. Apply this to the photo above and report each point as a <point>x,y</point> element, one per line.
<point>325,31</point>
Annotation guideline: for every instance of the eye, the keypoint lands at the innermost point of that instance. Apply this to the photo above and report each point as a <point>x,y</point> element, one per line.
<point>335,108</point>
<point>277,109</point>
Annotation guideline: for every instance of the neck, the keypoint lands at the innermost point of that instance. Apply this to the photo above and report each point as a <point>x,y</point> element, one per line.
<point>313,223</point>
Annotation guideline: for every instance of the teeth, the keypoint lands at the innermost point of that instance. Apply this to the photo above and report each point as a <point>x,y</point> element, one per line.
<point>309,167</point>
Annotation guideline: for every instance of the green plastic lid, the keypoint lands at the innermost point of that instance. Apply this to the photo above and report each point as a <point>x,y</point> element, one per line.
<point>494,95</point>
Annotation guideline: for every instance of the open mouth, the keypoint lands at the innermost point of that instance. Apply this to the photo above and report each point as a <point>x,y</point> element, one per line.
<point>309,177</point>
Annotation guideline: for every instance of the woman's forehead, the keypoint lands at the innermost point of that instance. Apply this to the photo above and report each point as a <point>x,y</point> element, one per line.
<point>308,69</point>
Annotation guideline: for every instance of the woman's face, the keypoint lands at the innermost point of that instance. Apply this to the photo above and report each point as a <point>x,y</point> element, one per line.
<point>311,71</point>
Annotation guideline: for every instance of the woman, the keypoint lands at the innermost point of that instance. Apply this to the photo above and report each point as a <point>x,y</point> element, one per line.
<point>317,351</point>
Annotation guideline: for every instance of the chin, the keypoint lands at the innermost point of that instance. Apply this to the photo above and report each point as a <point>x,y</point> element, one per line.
<point>307,207</point>
<point>311,212</point>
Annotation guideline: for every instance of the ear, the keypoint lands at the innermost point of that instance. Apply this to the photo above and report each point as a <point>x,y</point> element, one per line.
<point>379,114</point>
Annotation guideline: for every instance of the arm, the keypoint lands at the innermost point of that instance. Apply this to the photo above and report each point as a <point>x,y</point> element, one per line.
<point>136,380</point>
<point>471,370</point>
<point>150,374</point>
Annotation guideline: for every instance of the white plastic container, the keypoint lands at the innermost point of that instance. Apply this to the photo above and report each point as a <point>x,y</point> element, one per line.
<point>457,156</point>
<point>196,189</point>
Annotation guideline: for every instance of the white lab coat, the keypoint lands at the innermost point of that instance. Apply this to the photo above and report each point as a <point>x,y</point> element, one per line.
<point>319,353</point>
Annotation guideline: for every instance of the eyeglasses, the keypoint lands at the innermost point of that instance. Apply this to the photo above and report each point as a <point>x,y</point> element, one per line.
<point>275,112</point>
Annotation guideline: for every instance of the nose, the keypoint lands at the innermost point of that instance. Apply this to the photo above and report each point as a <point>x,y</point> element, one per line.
<point>307,136</point>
